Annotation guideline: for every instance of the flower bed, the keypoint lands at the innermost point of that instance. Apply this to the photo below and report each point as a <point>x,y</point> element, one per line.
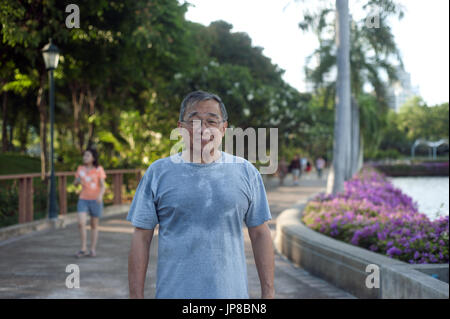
<point>373,214</point>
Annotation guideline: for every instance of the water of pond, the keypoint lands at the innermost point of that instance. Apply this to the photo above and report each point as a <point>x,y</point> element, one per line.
<point>431,193</point>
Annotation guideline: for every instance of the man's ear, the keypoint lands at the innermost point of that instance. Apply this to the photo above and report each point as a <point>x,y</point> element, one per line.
<point>225,125</point>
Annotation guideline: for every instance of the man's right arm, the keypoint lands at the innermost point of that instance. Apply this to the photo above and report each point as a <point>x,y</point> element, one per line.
<point>138,261</point>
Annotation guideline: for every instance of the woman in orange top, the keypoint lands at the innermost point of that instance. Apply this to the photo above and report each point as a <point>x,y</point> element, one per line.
<point>91,176</point>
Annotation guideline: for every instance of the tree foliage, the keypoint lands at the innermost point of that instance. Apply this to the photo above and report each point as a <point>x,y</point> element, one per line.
<point>122,76</point>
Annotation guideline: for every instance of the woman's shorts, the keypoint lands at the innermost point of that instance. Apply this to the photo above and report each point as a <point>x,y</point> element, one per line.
<point>296,172</point>
<point>94,208</point>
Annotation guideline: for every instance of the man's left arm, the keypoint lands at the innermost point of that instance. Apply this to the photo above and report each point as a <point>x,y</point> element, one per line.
<point>262,246</point>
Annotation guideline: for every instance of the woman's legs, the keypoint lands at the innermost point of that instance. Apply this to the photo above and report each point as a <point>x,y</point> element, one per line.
<point>295,173</point>
<point>82,227</point>
<point>281,179</point>
<point>94,234</point>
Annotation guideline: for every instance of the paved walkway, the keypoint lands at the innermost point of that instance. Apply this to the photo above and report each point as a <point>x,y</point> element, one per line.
<point>34,266</point>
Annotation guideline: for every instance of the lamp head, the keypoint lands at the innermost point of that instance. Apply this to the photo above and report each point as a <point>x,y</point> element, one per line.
<point>50,53</point>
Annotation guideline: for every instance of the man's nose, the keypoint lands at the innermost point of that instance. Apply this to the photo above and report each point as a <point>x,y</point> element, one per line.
<point>204,131</point>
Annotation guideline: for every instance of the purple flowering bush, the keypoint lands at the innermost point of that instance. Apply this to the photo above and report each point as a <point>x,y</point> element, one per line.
<point>373,214</point>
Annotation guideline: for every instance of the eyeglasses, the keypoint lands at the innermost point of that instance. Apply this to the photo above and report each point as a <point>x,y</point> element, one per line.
<point>208,122</point>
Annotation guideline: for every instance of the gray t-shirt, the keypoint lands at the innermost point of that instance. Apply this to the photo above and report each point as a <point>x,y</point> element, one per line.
<point>200,209</point>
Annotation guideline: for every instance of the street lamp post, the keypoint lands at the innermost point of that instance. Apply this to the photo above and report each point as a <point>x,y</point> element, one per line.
<point>51,58</point>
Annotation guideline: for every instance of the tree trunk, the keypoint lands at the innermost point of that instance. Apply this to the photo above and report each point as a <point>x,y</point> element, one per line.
<point>355,139</point>
<point>42,127</point>
<point>91,98</point>
<point>11,136</point>
<point>77,102</point>
<point>4,124</point>
<point>361,153</point>
<point>23,135</point>
<point>330,180</point>
<point>342,127</point>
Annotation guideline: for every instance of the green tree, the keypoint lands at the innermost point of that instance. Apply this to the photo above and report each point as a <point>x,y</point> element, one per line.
<point>418,120</point>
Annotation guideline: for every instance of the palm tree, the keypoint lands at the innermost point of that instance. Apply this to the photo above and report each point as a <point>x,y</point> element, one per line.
<point>360,55</point>
<point>342,127</point>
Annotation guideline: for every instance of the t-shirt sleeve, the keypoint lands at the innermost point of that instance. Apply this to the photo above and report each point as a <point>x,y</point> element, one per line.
<point>101,172</point>
<point>258,211</point>
<point>142,211</point>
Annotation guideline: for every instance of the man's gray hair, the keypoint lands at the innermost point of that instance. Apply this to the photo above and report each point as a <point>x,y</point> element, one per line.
<point>198,96</point>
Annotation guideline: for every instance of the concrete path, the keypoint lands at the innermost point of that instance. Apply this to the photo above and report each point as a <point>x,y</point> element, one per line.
<point>34,266</point>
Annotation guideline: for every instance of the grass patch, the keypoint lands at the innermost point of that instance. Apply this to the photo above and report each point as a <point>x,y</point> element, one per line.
<point>12,163</point>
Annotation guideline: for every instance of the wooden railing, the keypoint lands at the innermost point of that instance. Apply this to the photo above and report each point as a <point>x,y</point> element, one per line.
<point>26,209</point>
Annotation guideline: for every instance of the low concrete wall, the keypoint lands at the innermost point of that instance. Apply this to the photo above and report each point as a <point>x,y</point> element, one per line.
<point>397,170</point>
<point>344,265</point>
<point>62,221</point>
<point>436,270</point>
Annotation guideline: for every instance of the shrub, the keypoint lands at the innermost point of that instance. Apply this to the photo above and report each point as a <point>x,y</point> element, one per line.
<point>373,214</point>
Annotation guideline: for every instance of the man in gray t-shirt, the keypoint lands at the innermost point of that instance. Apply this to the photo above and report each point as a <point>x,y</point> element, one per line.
<point>201,208</point>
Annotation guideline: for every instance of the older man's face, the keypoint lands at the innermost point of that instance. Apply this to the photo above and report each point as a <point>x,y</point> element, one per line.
<point>205,124</point>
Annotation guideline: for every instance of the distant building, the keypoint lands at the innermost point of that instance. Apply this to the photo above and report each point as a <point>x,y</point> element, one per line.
<point>402,90</point>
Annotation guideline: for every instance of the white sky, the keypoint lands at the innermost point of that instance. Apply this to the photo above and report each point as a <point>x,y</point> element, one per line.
<point>422,37</point>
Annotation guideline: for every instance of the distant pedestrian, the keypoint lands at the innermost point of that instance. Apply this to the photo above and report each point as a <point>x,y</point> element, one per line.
<point>282,170</point>
<point>295,168</point>
<point>91,176</point>
<point>320,165</point>
<point>308,166</point>
<point>303,163</point>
